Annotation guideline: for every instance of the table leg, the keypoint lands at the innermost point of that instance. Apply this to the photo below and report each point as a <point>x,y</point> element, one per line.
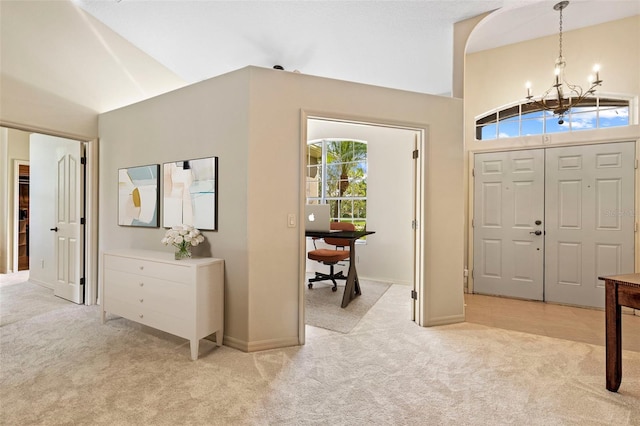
<point>352,286</point>
<point>613,337</point>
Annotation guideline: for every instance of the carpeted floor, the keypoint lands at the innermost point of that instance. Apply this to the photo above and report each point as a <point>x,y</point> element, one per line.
<point>323,306</point>
<point>62,366</point>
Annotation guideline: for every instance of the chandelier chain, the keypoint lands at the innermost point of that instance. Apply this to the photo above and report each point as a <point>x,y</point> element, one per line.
<point>560,38</point>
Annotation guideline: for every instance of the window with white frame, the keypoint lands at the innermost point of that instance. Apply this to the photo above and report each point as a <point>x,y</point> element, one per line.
<point>526,119</point>
<point>337,175</point>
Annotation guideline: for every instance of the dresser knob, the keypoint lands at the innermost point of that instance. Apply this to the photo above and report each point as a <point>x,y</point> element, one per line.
<point>141,300</point>
<point>141,284</point>
<point>141,268</point>
<point>141,316</point>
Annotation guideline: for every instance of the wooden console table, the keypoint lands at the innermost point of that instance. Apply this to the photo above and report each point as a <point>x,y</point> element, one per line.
<point>620,290</point>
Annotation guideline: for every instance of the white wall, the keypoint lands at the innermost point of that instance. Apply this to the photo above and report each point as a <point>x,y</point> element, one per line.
<point>387,255</point>
<point>251,120</point>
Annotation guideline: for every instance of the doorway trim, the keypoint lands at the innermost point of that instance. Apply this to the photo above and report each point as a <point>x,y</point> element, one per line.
<point>91,205</point>
<point>417,310</point>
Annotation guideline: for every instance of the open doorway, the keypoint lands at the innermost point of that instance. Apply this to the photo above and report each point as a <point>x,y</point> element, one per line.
<point>34,212</point>
<point>393,177</point>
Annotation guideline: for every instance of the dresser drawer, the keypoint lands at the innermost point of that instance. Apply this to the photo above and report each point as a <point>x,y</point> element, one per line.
<point>169,323</point>
<point>149,268</point>
<point>161,295</point>
<point>145,315</point>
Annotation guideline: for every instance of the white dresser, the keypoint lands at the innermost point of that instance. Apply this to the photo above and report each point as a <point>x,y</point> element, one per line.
<point>181,297</point>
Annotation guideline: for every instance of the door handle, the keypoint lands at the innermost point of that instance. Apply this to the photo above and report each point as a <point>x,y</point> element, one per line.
<point>536,232</point>
<point>54,229</point>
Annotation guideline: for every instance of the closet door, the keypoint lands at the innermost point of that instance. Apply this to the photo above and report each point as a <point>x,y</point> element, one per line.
<point>589,220</point>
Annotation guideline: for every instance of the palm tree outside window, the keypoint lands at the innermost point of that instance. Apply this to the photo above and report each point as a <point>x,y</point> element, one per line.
<point>337,175</point>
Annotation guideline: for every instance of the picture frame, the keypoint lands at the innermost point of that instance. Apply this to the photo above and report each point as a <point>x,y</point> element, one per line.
<point>190,193</point>
<point>139,196</point>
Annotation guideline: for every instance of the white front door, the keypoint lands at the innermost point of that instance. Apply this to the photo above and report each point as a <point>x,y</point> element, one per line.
<point>508,224</point>
<point>69,236</point>
<point>589,220</point>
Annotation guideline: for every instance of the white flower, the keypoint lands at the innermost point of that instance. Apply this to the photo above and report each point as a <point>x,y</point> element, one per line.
<point>182,236</point>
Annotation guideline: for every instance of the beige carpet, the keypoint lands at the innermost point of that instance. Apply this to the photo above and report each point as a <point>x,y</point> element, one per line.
<point>323,306</point>
<point>63,367</point>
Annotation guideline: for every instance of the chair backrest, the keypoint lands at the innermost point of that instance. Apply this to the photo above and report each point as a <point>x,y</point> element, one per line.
<point>342,226</point>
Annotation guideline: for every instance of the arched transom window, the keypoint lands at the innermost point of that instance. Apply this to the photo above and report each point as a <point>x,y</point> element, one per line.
<point>526,119</point>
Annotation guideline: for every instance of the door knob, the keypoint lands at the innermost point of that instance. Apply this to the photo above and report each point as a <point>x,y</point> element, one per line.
<point>54,229</point>
<point>538,222</point>
<point>536,232</point>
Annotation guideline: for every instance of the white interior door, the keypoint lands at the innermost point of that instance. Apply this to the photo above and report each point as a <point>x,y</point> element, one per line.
<point>69,236</point>
<point>508,228</point>
<point>589,220</point>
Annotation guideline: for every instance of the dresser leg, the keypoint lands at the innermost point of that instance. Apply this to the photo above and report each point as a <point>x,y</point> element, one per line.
<point>103,316</point>
<point>194,348</point>
<point>219,336</point>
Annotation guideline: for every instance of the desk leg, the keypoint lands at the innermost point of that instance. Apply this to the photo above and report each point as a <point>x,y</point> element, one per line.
<point>613,337</point>
<point>352,286</point>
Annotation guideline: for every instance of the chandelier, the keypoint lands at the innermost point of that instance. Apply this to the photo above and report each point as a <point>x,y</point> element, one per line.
<point>562,96</point>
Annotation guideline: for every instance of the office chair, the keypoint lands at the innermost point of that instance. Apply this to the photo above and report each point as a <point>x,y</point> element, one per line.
<point>331,257</point>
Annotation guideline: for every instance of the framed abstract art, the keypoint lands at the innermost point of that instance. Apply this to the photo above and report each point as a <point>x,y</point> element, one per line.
<point>139,196</point>
<point>190,192</point>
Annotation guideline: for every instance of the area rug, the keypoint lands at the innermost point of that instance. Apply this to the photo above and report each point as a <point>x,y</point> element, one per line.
<point>323,309</point>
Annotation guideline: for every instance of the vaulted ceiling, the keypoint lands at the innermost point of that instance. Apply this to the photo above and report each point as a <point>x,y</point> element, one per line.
<point>104,54</point>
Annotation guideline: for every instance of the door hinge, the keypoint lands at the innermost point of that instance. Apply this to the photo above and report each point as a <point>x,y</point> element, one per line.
<point>472,274</point>
<point>414,224</point>
<point>636,163</point>
<point>83,160</point>
<point>635,227</point>
<point>82,221</point>
<point>473,172</point>
<point>414,295</point>
<point>82,281</point>
<point>473,223</point>
<point>415,154</point>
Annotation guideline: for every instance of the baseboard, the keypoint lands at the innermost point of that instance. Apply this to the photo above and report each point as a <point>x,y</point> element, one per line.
<point>379,280</point>
<point>42,283</point>
<point>261,345</point>
<point>451,319</point>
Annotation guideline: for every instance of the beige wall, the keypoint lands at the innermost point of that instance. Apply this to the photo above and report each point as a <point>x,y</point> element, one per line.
<point>497,77</point>
<point>207,119</point>
<point>251,120</point>
<point>16,147</point>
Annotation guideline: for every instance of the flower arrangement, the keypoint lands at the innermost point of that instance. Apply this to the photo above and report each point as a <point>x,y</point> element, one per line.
<point>183,237</point>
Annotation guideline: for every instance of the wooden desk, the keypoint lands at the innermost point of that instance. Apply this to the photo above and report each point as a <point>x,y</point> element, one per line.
<point>352,287</point>
<point>620,290</point>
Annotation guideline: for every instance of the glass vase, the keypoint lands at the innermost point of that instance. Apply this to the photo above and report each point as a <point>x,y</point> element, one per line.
<point>183,252</point>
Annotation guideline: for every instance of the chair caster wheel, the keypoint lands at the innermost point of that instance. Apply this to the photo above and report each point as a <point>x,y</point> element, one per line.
<point>310,286</point>
<point>334,288</point>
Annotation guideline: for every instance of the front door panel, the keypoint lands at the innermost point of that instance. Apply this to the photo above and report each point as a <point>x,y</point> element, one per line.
<point>589,220</point>
<point>508,211</point>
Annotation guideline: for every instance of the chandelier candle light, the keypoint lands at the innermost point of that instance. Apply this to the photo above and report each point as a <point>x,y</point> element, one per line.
<point>555,99</point>
<point>182,237</point>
